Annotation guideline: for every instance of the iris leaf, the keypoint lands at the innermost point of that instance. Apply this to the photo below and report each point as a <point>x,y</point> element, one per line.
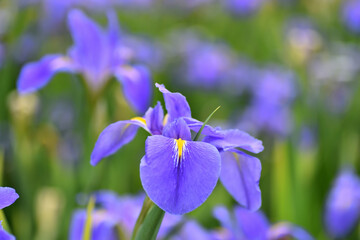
<point>206,121</point>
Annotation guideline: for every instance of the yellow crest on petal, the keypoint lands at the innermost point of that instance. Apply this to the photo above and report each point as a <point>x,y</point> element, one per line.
<point>180,144</point>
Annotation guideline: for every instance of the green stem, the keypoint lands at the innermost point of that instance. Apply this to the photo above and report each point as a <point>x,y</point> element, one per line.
<point>151,225</point>
<point>144,210</point>
<point>206,121</point>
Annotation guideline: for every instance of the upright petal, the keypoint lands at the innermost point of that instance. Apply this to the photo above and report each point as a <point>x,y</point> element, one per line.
<point>240,175</point>
<point>177,129</point>
<point>175,103</point>
<point>5,235</point>
<point>7,196</point>
<point>114,137</point>
<point>137,86</point>
<point>36,75</point>
<point>253,225</point>
<point>154,118</point>
<point>179,184</point>
<point>92,49</point>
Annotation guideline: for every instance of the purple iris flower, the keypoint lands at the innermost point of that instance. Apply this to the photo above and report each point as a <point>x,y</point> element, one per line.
<point>115,217</point>
<point>351,15</point>
<point>343,204</point>
<point>178,174</point>
<point>94,55</point>
<point>243,224</point>
<point>7,197</point>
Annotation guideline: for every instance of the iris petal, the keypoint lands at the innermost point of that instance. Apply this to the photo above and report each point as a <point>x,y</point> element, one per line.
<point>240,175</point>
<point>137,86</point>
<point>342,209</point>
<point>36,75</point>
<point>7,196</point>
<point>223,216</point>
<point>114,137</point>
<point>179,188</point>
<point>154,118</point>
<point>254,225</point>
<point>286,230</point>
<point>175,103</point>
<point>92,50</point>
<point>177,129</point>
<point>226,139</point>
<point>5,235</point>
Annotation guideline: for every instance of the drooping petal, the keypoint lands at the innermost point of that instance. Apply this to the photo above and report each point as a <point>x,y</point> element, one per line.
<point>92,49</point>
<point>342,210</point>
<point>254,225</point>
<point>137,86</point>
<point>114,137</point>
<point>154,118</point>
<point>177,129</point>
<point>208,130</point>
<point>240,175</point>
<point>226,139</point>
<point>103,226</point>
<point>179,184</point>
<point>36,75</point>
<point>285,230</point>
<point>7,196</point>
<point>175,103</point>
<point>5,235</point>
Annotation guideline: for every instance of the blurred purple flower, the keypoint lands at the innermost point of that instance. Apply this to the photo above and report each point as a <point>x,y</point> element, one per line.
<point>303,39</point>
<point>7,197</point>
<point>243,7</point>
<point>93,55</point>
<point>115,213</point>
<point>205,63</point>
<point>173,162</point>
<point>342,208</point>
<point>247,225</point>
<point>351,15</point>
<point>192,230</point>
<point>273,92</point>
<point>140,49</point>
<point>70,149</point>
<point>333,74</point>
